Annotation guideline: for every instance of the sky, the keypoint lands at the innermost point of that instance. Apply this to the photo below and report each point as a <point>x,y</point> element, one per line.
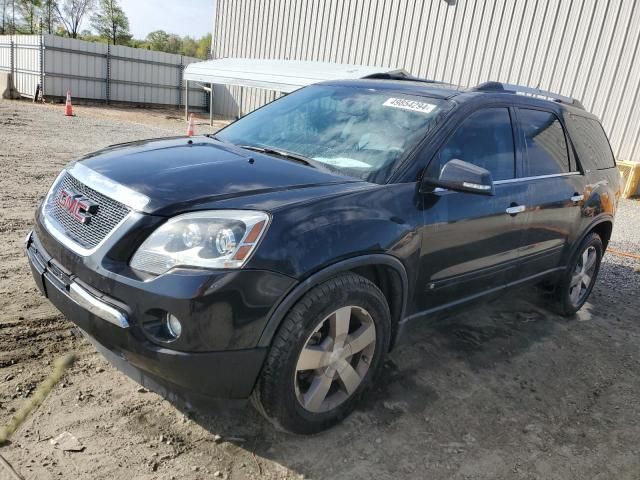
<point>186,17</point>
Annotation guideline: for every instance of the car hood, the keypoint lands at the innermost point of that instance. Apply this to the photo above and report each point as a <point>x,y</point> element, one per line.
<point>181,173</point>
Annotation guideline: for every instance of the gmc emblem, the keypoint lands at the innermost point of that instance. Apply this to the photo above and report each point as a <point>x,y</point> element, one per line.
<point>80,207</point>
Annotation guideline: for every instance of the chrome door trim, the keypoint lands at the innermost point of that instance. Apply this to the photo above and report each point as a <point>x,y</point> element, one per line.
<point>518,180</point>
<point>539,177</point>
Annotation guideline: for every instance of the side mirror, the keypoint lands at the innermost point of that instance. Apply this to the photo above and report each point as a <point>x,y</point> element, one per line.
<point>462,176</point>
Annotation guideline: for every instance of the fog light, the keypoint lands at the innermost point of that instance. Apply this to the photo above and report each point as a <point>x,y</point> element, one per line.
<point>173,325</point>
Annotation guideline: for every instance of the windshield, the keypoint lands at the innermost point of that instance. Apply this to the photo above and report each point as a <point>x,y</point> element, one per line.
<point>353,131</point>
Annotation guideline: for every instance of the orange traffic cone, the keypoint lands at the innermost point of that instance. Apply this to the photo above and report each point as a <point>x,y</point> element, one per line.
<point>191,127</point>
<point>68,108</point>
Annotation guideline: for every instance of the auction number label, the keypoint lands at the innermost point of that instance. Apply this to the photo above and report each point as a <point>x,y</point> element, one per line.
<point>413,105</point>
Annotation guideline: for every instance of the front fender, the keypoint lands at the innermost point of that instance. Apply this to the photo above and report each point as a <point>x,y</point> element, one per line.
<point>308,237</point>
<point>322,237</point>
<point>281,310</point>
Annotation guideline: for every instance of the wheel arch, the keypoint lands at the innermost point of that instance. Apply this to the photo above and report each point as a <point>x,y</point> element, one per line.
<point>385,271</point>
<point>603,226</point>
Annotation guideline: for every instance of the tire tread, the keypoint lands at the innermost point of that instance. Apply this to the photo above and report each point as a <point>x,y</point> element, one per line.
<point>265,396</point>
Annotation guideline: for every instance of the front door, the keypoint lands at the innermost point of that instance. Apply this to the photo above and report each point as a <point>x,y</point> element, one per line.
<point>471,242</point>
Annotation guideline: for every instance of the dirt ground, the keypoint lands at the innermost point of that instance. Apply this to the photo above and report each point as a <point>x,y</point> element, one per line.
<point>506,390</point>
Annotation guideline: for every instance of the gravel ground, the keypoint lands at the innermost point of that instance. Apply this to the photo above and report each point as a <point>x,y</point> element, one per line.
<point>505,390</point>
<point>626,234</point>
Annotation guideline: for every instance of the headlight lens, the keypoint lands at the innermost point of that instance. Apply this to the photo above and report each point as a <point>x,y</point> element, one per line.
<point>208,239</point>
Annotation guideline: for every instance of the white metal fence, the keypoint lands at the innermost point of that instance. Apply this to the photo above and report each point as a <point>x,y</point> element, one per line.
<point>587,49</point>
<point>95,71</point>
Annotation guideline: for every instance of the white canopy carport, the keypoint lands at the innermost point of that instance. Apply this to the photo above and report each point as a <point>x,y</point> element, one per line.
<point>277,75</point>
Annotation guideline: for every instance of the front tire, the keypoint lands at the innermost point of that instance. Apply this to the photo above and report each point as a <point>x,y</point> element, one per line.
<point>578,280</point>
<point>324,356</point>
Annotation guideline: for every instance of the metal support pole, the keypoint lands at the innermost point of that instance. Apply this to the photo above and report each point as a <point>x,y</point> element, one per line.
<point>240,102</point>
<point>108,88</point>
<point>186,100</point>
<point>180,75</point>
<point>211,105</point>
<point>41,62</point>
<point>12,60</point>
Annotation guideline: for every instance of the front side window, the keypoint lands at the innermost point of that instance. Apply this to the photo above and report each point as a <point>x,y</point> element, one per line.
<point>360,132</point>
<point>545,142</point>
<point>484,139</point>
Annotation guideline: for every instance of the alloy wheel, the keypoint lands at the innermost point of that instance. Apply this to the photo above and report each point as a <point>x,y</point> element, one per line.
<point>335,359</point>
<point>583,274</point>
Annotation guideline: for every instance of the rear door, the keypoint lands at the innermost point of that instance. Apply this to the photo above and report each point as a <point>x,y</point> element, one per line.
<point>555,187</point>
<point>471,243</point>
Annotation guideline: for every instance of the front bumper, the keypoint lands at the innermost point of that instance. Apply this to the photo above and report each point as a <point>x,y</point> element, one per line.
<point>115,330</point>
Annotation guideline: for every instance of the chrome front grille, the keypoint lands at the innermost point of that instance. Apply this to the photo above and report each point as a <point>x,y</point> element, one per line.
<point>88,235</point>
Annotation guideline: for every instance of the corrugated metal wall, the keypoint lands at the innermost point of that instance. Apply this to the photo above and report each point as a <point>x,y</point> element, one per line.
<point>587,49</point>
<point>75,65</point>
<point>22,61</point>
<point>96,71</point>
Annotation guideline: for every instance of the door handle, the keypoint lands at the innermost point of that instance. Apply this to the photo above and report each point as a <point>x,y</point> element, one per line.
<point>577,198</point>
<point>516,209</point>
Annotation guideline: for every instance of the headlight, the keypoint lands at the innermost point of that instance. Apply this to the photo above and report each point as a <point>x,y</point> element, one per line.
<point>208,239</point>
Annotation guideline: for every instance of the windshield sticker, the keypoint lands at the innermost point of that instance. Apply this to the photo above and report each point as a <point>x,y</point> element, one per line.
<point>343,162</point>
<point>413,105</point>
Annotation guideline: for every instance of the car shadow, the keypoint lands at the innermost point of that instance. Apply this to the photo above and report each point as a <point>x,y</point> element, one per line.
<point>434,360</point>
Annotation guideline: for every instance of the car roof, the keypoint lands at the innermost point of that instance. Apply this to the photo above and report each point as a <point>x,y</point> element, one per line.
<point>489,91</point>
<point>410,87</point>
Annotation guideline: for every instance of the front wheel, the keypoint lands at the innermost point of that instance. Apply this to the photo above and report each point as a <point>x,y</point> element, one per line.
<point>324,356</point>
<point>576,284</point>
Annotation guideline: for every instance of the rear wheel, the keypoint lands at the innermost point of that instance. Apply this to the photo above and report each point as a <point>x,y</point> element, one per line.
<point>577,282</point>
<point>324,356</point>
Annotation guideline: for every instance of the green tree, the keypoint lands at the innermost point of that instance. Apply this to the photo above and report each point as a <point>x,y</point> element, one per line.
<point>174,45</point>
<point>137,43</point>
<point>49,17</point>
<point>204,47</point>
<point>158,40</point>
<point>3,17</point>
<point>9,11</point>
<point>189,47</point>
<point>29,10</point>
<point>166,42</point>
<point>71,13</point>
<point>111,22</point>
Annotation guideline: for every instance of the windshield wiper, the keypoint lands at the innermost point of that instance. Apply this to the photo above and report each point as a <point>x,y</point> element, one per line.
<point>215,137</point>
<point>282,153</point>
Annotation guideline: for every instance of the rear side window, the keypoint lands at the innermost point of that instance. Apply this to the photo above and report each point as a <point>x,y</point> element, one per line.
<point>591,142</point>
<point>545,141</point>
<point>484,139</point>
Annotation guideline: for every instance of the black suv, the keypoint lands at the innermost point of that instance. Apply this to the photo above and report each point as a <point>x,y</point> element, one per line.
<point>280,259</point>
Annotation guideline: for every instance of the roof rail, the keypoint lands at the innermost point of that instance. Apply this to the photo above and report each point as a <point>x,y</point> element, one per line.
<point>401,75</point>
<point>528,91</point>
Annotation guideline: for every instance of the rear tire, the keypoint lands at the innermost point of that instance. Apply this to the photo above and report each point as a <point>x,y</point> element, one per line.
<point>575,285</point>
<point>324,356</point>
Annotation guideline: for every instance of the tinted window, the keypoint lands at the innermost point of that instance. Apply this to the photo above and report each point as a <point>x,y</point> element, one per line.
<point>591,142</point>
<point>486,140</point>
<point>546,145</point>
